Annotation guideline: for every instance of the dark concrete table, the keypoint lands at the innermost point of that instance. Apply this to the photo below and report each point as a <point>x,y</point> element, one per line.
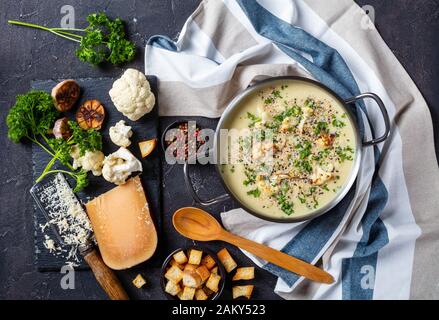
<point>409,27</point>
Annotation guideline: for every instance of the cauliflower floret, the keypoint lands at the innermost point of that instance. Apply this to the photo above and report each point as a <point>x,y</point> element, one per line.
<point>90,161</point>
<point>321,175</point>
<point>307,112</point>
<point>131,94</point>
<point>119,165</point>
<point>120,134</point>
<point>264,115</point>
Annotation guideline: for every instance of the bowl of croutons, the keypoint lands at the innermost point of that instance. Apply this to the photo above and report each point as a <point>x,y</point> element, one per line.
<point>192,273</point>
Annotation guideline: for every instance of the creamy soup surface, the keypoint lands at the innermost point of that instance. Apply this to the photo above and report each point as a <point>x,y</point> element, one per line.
<point>293,151</point>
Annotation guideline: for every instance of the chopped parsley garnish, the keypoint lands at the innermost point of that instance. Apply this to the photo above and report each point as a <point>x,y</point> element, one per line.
<point>344,153</point>
<point>251,177</point>
<point>294,111</point>
<point>276,94</point>
<point>316,203</point>
<point>310,103</point>
<point>304,149</point>
<point>322,127</point>
<point>321,155</point>
<point>255,193</point>
<point>254,119</point>
<point>269,100</point>
<point>303,165</point>
<point>285,205</point>
<point>337,123</point>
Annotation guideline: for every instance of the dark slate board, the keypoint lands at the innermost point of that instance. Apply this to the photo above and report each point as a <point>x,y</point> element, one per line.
<point>145,128</point>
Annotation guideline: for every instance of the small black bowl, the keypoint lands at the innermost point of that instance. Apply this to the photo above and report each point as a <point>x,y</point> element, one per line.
<point>221,271</point>
<point>174,125</point>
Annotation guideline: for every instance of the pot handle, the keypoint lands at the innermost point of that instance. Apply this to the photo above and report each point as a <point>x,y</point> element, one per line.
<point>190,188</point>
<point>383,112</point>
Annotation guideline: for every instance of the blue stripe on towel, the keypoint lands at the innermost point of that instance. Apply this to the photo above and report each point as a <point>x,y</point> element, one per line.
<point>162,42</point>
<point>330,69</point>
<point>308,243</point>
<point>358,272</point>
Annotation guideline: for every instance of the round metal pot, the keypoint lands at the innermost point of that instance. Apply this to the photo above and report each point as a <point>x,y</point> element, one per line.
<point>230,111</point>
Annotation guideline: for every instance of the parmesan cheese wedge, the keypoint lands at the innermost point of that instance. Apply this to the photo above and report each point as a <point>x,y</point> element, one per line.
<point>122,224</point>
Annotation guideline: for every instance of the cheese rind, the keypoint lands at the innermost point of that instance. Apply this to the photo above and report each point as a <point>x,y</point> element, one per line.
<point>123,226</point>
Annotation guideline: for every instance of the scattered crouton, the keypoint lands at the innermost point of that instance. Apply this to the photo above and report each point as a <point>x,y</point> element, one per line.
<point>180,257</point>
<point>208,261</point>
<point>201,295</point>
<point>172,288</point>
<point>195,257</point>
<point>247,273</point>
<point>213,282</point>
<point>188,293</point>
<point>139,281</point>
<point>146,147</point>
<point>227,260</point>
<point>175,274</point>
<point>242,291</point>
<point>192,279</point>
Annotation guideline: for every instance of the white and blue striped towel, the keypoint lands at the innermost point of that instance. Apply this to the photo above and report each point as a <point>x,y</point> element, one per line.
<point>382,240</point>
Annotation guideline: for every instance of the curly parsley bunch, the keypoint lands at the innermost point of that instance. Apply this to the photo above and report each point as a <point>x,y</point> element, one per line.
<point>32,117</point>
<point>104,40</point>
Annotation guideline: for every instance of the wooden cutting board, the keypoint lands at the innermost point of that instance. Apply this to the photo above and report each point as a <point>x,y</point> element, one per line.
<point>145,128</point>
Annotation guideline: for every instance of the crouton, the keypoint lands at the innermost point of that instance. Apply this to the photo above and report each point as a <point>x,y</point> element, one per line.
<point>200,295</point>
<point>214,270</point>
<point>192,279</point>
<point>172,288</point>
<point>203,272</point>
<point>188,293</point>
<point>247,273</point>
<point>208,261</point>
<point>213,282</point>
<point>242,291</point>
<point>174,273</point>
<point>195,257</point>
<point>139,281</point>
<point>189,267</point>
<point>180,257</point>
<point>227,260</point>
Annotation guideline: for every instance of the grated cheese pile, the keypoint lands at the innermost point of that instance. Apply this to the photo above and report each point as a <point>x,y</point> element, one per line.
<point>67,216</point>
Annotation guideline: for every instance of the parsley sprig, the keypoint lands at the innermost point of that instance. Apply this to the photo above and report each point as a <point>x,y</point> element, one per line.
<point>32,117</point>
<point>102,40</point>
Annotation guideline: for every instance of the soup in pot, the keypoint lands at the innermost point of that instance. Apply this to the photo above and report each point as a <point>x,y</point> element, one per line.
<point>292,149</point>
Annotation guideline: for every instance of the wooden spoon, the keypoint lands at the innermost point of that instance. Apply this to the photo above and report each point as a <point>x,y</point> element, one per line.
<point>199,225</point>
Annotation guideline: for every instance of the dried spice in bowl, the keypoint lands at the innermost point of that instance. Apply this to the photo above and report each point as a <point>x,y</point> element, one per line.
<point>184,138</point>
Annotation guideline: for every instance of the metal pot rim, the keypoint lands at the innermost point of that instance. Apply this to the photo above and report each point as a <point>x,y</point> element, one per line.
<point>355,167</point>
